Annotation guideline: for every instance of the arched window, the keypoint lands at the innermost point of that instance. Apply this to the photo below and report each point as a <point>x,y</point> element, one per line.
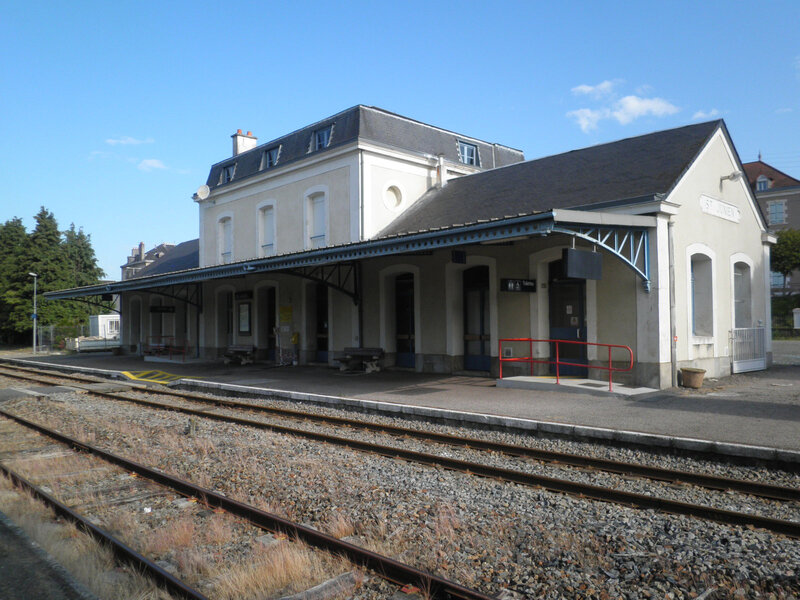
<point>317,225</point>
<point>742,299</point>
<point>702,300</point>
<point>225,240</point>
<point>266,224</point>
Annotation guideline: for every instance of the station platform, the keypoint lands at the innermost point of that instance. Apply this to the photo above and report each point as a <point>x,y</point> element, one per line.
<point>753,414</point>
<point>27,572</point>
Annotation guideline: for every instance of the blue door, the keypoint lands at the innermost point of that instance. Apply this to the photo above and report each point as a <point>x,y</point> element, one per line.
<point>567,301</point>
<point>476,319</point>
<point>321,354</point>
<point>404,320</point>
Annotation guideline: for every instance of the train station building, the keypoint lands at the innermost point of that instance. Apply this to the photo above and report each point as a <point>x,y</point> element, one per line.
<point>371,230</point>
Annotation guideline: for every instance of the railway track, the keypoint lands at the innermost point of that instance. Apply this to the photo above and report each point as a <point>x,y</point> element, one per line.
<point>713,482</point>
<point>785,527</point>
<point>392,570</point>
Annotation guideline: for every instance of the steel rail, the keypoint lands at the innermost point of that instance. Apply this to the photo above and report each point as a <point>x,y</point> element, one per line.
<point>123,552</point>
<point>388,568</point>
<point>584,490</point>
<point>714,482</point>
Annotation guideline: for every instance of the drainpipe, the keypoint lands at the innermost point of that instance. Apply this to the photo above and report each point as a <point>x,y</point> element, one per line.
<point>673,344</point>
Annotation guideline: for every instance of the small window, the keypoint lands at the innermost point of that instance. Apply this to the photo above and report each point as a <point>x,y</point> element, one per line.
<point>468,153</point>
<point>776,280</point>
<point>227,173</point>
<point>762,184</point>
<point>776,212</point>
<point>322,137</point>
<point>270,157</point>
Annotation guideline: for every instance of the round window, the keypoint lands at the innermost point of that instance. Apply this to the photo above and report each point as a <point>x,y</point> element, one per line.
<point>392,197</point>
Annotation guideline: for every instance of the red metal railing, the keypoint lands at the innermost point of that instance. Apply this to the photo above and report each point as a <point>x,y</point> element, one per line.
<point>160,345</point>
<point>558,362</point>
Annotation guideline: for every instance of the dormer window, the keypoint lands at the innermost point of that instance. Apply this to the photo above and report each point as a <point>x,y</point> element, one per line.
<point>468,153</point>
<point>322,138</point>
<point>227,173</point>
<point>270,157</point>
<point>762,183</point>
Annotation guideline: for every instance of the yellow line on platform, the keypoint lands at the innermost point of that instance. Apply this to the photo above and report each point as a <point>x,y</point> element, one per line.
<point>152,376</point>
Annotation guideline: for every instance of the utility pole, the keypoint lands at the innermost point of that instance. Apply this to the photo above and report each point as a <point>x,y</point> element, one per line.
<point>35,316</point>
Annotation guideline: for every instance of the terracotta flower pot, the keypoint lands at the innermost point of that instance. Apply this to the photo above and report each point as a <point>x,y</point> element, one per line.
<point>692,378</point>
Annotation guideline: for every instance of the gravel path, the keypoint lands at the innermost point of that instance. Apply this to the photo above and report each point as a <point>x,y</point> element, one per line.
<point>482,533</point>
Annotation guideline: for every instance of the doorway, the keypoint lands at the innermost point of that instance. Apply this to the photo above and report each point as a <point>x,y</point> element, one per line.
<point>476,319</point>
<point>404,320</point>
<point>266,321</point>
<point>567,303</point>
<point>321,312</point>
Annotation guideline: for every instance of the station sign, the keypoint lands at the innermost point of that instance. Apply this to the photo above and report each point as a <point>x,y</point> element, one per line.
<point>518,285</point>
<point>162,309</point>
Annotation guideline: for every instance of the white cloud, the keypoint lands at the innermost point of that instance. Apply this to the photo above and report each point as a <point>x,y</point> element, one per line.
<point>149,164</point>
<point>702,114</point>
<point>624,111</point>
<point>587,119</point>
<point>128,141</point>
<point>631,108</point>
<point>783,111</point>
<point>604,88</point>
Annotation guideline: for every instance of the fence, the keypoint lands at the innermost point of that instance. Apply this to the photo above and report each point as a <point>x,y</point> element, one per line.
<point>530,359</point>
<point>748,349</point>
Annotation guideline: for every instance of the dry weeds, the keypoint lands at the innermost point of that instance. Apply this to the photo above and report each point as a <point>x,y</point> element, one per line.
<point>89,563</point>
<point>285,568</point>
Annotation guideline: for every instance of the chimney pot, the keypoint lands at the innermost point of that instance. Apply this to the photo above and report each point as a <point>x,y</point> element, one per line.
<point>242,142</point>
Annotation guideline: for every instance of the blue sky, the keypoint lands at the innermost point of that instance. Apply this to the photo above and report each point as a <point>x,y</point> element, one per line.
<point>111,113</point>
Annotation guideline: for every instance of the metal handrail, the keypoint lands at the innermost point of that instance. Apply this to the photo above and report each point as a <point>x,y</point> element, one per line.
<point>558,362</point>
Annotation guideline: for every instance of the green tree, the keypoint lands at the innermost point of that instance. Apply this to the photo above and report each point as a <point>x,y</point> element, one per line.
<point>80,257</point>
<point>16,287</point>
<point>61,260</point>
<point>785,254</point>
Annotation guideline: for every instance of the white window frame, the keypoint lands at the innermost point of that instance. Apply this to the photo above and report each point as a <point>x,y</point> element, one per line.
<point>782,217</point>
<point>315,138</point>
<point>311,195</point>
<point>224,253</point>
<point>692,250</point>
<point>265,157</point>
<point>227,173</point>
<point>265,247</point>
<point>467,157</point>
<point>762,183</point>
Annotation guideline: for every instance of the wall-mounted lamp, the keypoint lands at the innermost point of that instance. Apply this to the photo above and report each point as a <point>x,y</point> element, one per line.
<point>735,176</point>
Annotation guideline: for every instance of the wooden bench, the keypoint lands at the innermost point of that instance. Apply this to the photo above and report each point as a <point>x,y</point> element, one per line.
<point>355,359</point>
<point>243,355</point>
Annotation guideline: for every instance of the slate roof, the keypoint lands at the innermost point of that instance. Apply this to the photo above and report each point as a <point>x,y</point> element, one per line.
<point>367,123</point>
<point>778,179</point>
<point>631,169</point>
<point>185,255</point>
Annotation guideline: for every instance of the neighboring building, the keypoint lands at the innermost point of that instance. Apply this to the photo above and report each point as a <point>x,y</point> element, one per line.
<point>139,259</point>
<point>104,326</point>
<point>368,229</point>
<point>778,195</point>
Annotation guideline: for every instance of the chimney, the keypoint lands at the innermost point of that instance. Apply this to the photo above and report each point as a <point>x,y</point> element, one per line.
<point>141,250</point>
<point>243,142</point>
<point>441,172</point>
